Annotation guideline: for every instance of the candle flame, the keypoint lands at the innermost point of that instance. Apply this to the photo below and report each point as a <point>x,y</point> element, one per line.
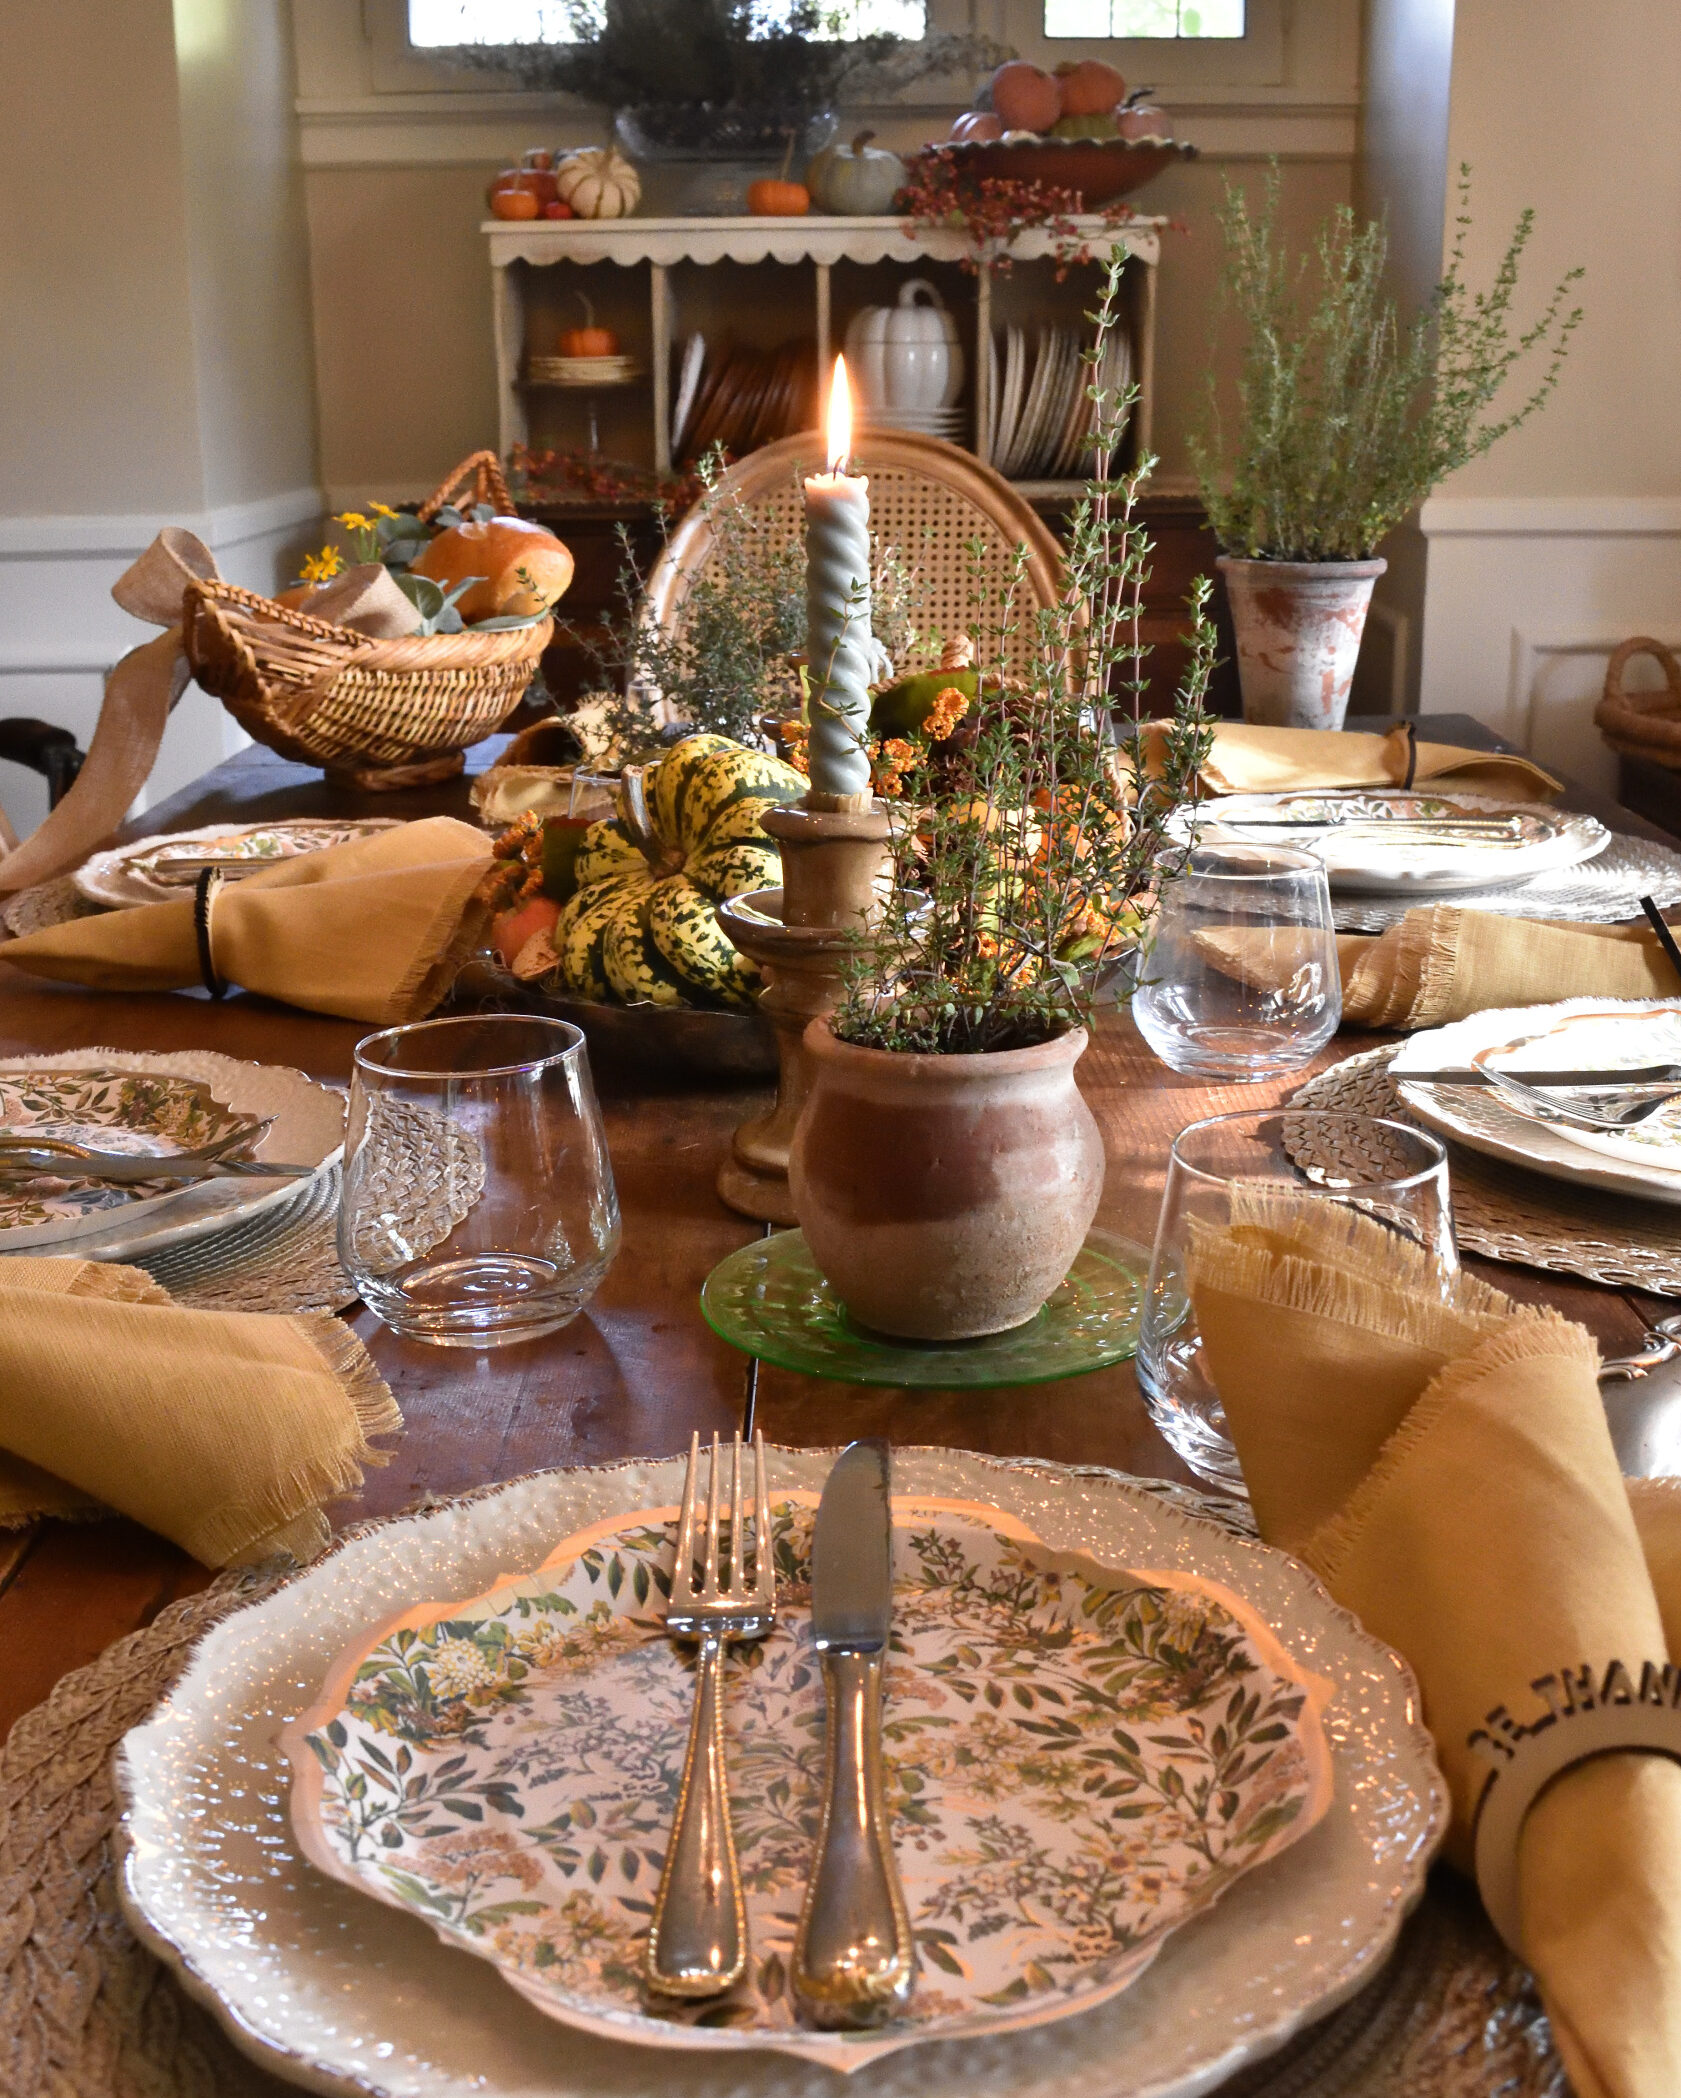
<point>840,419</point>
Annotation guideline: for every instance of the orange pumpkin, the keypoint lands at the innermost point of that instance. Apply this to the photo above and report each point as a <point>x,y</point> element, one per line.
<point>514,204</point>
<point>522,568</point>
<point>1089,87</point>
<point>772,198</point>
<point>591,340</point>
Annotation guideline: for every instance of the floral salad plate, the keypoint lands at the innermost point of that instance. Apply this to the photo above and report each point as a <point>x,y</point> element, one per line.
<point>1078,1761</point>
<point>350,1995</point>
<point>160,869</point>
<point>141,1103</point>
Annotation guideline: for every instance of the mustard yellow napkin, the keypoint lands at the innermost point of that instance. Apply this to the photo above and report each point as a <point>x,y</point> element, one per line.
<point>1247,759</point>
<point>373,930</point>
<point>222,1430</point>
<point>1443,1464</point>
<point>1440,964</point>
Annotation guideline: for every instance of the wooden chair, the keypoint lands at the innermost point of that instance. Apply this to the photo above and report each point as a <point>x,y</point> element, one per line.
<point>927,498</point>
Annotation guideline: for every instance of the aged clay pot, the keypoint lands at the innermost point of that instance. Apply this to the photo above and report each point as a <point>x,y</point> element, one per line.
<point>944,1196</point>
<point>1298,636</point>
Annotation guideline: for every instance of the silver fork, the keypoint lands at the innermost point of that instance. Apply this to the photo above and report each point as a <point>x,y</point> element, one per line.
<point>697,1942</point>
<point>1618,1105</point>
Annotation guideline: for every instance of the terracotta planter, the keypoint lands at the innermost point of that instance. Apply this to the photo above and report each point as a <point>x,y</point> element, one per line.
<point>1298,636</point>
<point>944,1196</point>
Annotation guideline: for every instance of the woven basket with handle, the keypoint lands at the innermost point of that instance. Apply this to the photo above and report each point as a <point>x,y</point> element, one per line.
<point>1642,724</point>
<point>384,713</point>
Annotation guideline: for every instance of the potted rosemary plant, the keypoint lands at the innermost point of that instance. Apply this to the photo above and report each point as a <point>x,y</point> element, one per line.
<point>1346,422</point>
<point>945,1169</point>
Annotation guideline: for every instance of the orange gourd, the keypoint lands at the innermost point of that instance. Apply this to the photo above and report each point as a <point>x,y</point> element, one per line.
<point>522,568</point>
<point>514,204</point>
<point>772,198</point>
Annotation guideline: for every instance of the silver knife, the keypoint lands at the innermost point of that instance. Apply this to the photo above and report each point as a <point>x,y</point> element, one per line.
<point>853,1963</point>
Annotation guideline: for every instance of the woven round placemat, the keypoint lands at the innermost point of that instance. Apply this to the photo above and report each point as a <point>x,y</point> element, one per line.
<point>1507,1214</point>
<point>86,2013</point>
<point>48,903</point>
<point>1600,891</point>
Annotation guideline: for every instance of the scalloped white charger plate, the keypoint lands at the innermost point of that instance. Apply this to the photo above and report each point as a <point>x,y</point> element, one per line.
<point>341,1994</point>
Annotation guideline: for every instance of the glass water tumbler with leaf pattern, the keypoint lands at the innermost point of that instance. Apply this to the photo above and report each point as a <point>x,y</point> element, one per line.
<point>479,1207</point>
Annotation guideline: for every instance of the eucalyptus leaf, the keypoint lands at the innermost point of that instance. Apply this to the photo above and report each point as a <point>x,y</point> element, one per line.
<point>506,623</point>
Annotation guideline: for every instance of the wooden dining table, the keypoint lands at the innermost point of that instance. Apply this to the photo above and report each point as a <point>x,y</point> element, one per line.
<point>639,1369</point>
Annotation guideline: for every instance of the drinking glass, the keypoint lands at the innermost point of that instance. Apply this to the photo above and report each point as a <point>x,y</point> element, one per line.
<point>479,1206</point>
<point>1241,978</point>
<point>1394,1174</point>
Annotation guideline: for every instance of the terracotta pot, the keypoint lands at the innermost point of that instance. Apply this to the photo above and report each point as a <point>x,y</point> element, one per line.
<point>1298,636</point>
<point>944,1196</point>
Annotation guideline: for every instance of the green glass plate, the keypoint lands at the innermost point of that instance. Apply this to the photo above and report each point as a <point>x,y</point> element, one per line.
<point>769,1300</point>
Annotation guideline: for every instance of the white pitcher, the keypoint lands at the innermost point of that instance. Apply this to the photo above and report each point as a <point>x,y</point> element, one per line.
<point>907,356</point>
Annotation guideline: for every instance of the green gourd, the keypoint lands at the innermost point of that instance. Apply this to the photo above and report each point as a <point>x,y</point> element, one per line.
<point>858,181</point>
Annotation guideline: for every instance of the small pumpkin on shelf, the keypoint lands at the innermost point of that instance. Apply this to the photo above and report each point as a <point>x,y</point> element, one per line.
<point>599,183</point>
<point>858,181</point>
<point>775,196</point>
<point>591,340</point>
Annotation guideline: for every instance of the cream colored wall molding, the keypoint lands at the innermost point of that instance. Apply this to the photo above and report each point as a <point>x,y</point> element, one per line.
<point>126,534</point>
<point>1537,657</point>
<point>1550,516</point>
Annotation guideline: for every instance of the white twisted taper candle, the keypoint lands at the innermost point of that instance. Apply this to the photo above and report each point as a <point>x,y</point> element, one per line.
<point>839,656</point>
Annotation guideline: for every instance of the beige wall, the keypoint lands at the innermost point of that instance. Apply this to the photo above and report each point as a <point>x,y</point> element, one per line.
<point>97,409</point>
<point>1582,124</point>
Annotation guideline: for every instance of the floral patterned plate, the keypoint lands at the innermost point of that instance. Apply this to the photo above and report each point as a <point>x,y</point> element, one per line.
<point>1079,1761</point>
<point>161,868</point>
<point>137,1101</point>
<point>358,1999</point>
<point>1605,1038</point>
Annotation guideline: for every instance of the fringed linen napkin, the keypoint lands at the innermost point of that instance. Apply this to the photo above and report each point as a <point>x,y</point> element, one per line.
<point>1440,964</point>
<point>223,1431</point>
<point>372,930</point>
<point>1442,1462</point>
<point>1248,759</point>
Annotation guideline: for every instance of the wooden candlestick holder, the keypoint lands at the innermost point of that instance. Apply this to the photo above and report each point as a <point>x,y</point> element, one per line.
<point>800,935</point>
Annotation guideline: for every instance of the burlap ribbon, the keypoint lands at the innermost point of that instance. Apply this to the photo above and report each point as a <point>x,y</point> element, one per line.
<point>145,685</point>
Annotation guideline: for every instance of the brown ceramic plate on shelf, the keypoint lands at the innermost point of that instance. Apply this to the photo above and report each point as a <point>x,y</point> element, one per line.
<point>1097,170</point>
<point>704,418</point>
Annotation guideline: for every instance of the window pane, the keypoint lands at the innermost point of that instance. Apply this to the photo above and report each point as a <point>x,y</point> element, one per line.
<point>1143,18</point>
<point>433,22</point>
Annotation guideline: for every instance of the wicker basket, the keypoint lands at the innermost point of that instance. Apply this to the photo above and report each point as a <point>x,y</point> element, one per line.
<point>380,713</point>
<point>1642,724</point>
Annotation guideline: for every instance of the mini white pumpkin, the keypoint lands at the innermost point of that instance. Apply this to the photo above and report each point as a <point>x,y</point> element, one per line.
<point>599,183</point>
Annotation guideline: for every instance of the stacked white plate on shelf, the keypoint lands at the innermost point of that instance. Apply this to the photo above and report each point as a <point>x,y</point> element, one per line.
<point>617,370</point>
<point>949,423</point>
<point>1041,422</point>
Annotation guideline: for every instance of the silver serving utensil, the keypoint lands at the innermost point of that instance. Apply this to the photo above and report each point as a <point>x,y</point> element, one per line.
<point>125,1169</point>
<point>697,1942</point>
<point>1642,1399</point>
<point>1607,1104</point>
<point>853,1961</point>
<point>64,1147</point>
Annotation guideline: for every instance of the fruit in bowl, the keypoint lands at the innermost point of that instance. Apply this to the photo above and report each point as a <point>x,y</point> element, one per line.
<point>1025,97</point>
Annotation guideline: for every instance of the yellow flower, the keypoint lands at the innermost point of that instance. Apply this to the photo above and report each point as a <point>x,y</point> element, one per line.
<point>950,706</point>
<point>354,521</point>
<point>382,510</point>
<point>321,567</point>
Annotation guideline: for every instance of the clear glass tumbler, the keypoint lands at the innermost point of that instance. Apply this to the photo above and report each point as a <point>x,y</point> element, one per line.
<point>1394,1174</point>
<point>1241,980</point>
<point>479,1206</point>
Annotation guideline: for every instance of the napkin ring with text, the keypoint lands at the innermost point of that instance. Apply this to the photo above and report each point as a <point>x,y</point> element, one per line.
<point>1584,1714</point>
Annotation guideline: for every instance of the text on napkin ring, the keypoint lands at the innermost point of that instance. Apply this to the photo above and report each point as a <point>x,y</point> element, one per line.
<point>205,892</point>
<point>1583,1715</point>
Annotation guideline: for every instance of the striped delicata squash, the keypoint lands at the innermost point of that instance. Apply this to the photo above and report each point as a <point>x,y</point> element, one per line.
<point>641,927</point>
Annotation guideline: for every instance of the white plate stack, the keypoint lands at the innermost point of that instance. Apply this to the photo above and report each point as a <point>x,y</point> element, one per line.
<point>1040,425</point>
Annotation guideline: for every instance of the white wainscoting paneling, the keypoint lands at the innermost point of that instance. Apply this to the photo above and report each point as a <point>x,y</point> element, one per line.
<point>1525,598</point>
<point>60,632</point>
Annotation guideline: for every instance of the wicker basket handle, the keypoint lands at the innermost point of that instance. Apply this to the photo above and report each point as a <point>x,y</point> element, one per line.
<point>1624,654</point>
<point>489,486</point>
